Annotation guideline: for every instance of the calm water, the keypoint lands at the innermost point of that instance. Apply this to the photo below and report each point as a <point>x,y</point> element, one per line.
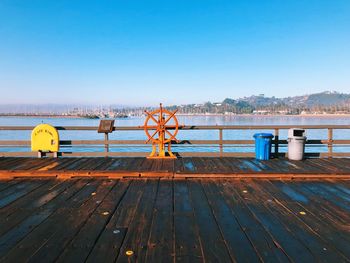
<point>188,135</point>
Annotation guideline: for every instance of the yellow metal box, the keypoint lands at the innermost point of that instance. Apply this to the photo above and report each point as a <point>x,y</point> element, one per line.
<point>45,138</point>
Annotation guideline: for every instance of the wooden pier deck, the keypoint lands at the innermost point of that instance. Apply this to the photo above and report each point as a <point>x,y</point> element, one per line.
<point>187,167</point>
<point>183,210</point>
<point>167,220</point>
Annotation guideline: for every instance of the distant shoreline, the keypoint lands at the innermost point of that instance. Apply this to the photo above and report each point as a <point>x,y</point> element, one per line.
<point>268,115</point>
<point>43,116</point>
<point>182,115</point>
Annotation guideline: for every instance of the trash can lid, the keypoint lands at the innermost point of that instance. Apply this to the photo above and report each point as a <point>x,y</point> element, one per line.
<point>263,135</point>
<point>296,133</point>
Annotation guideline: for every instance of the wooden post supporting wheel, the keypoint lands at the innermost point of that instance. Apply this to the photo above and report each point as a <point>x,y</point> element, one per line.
<point>161,126</point>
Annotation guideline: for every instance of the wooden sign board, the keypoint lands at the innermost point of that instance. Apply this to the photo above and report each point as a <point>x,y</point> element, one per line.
<point>106,126</point>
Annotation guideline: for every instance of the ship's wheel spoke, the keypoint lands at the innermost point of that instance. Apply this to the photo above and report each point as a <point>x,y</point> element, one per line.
<point>171,135</point>
<point>154,119</point>
<point>151,116</point>
<point>169,118</point>
<point>150,138</point>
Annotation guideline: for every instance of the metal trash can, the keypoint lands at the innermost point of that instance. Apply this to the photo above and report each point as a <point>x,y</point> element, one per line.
<point>263,146</point>
<point>296,144</point>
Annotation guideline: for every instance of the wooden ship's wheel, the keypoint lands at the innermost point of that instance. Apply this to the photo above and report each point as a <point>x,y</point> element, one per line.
<point>161,127</point>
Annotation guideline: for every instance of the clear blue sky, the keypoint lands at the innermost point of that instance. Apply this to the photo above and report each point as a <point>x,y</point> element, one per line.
<point>180,51</point>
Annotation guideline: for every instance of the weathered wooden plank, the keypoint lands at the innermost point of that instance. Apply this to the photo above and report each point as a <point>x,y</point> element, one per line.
<point>4,160</point>
<point>49,201</point>
<point>135,164</point>
<point>5,184</point>
<point>189,166</point>
<point>311,220</point>
<point>21,163</point>
<point>161,241</point>
<point>262,176</point>
<point>223,165</point>
<point>64,163</point>
<point>281,165</point>
<point>238,244</point>
<point>8,162</point>
<point>178,165</point>
<point>136,238</point>
<point>213,245</point>
<point>90,164</point>
<point>53,164</point>
<point>319,167</point>
<point>328,165</point>
<point>144,165</point>
<point>104,165</point>
<point>245,166</point>
<point>108,244</point>
<point>78,165</point>
<point>34,164</point>
<point>344,163</point>
<point>126,164</point>
<point>41,163</point>
<point>40,230</point>
<point>334,213</point>
<point>264,244</point>
<point>168,165</point>
<point>67,229</point>
<point>209,165</point>
<point>156,165</point>
<point>264,166</point>
<point>187,243</point>
<point>340,195</point>
<point>315,244</point>
<point>114,165</point>
<point>19,190</point>
<point>326,193</point>
<point>291,166</point>
<point>217,165</point>
<point>81,245</point>
<point>307,166</point>
<point>197,165</point>
<point>229,164</point>
<point>29,198</point>
<point>340,186</point>
<point>292,247</point>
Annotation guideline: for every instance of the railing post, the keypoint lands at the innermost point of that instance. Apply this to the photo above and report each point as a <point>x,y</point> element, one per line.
<point>276,142</point>
<point>220,142</point>
<point>106,144</point>
<point>330,142</point>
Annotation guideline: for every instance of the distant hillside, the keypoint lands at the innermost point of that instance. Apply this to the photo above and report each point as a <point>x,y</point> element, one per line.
<point>326,98</point>
<point>324,102</point>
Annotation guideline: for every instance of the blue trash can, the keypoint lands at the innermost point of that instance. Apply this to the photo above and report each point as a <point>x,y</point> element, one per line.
<point>263,146</point>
